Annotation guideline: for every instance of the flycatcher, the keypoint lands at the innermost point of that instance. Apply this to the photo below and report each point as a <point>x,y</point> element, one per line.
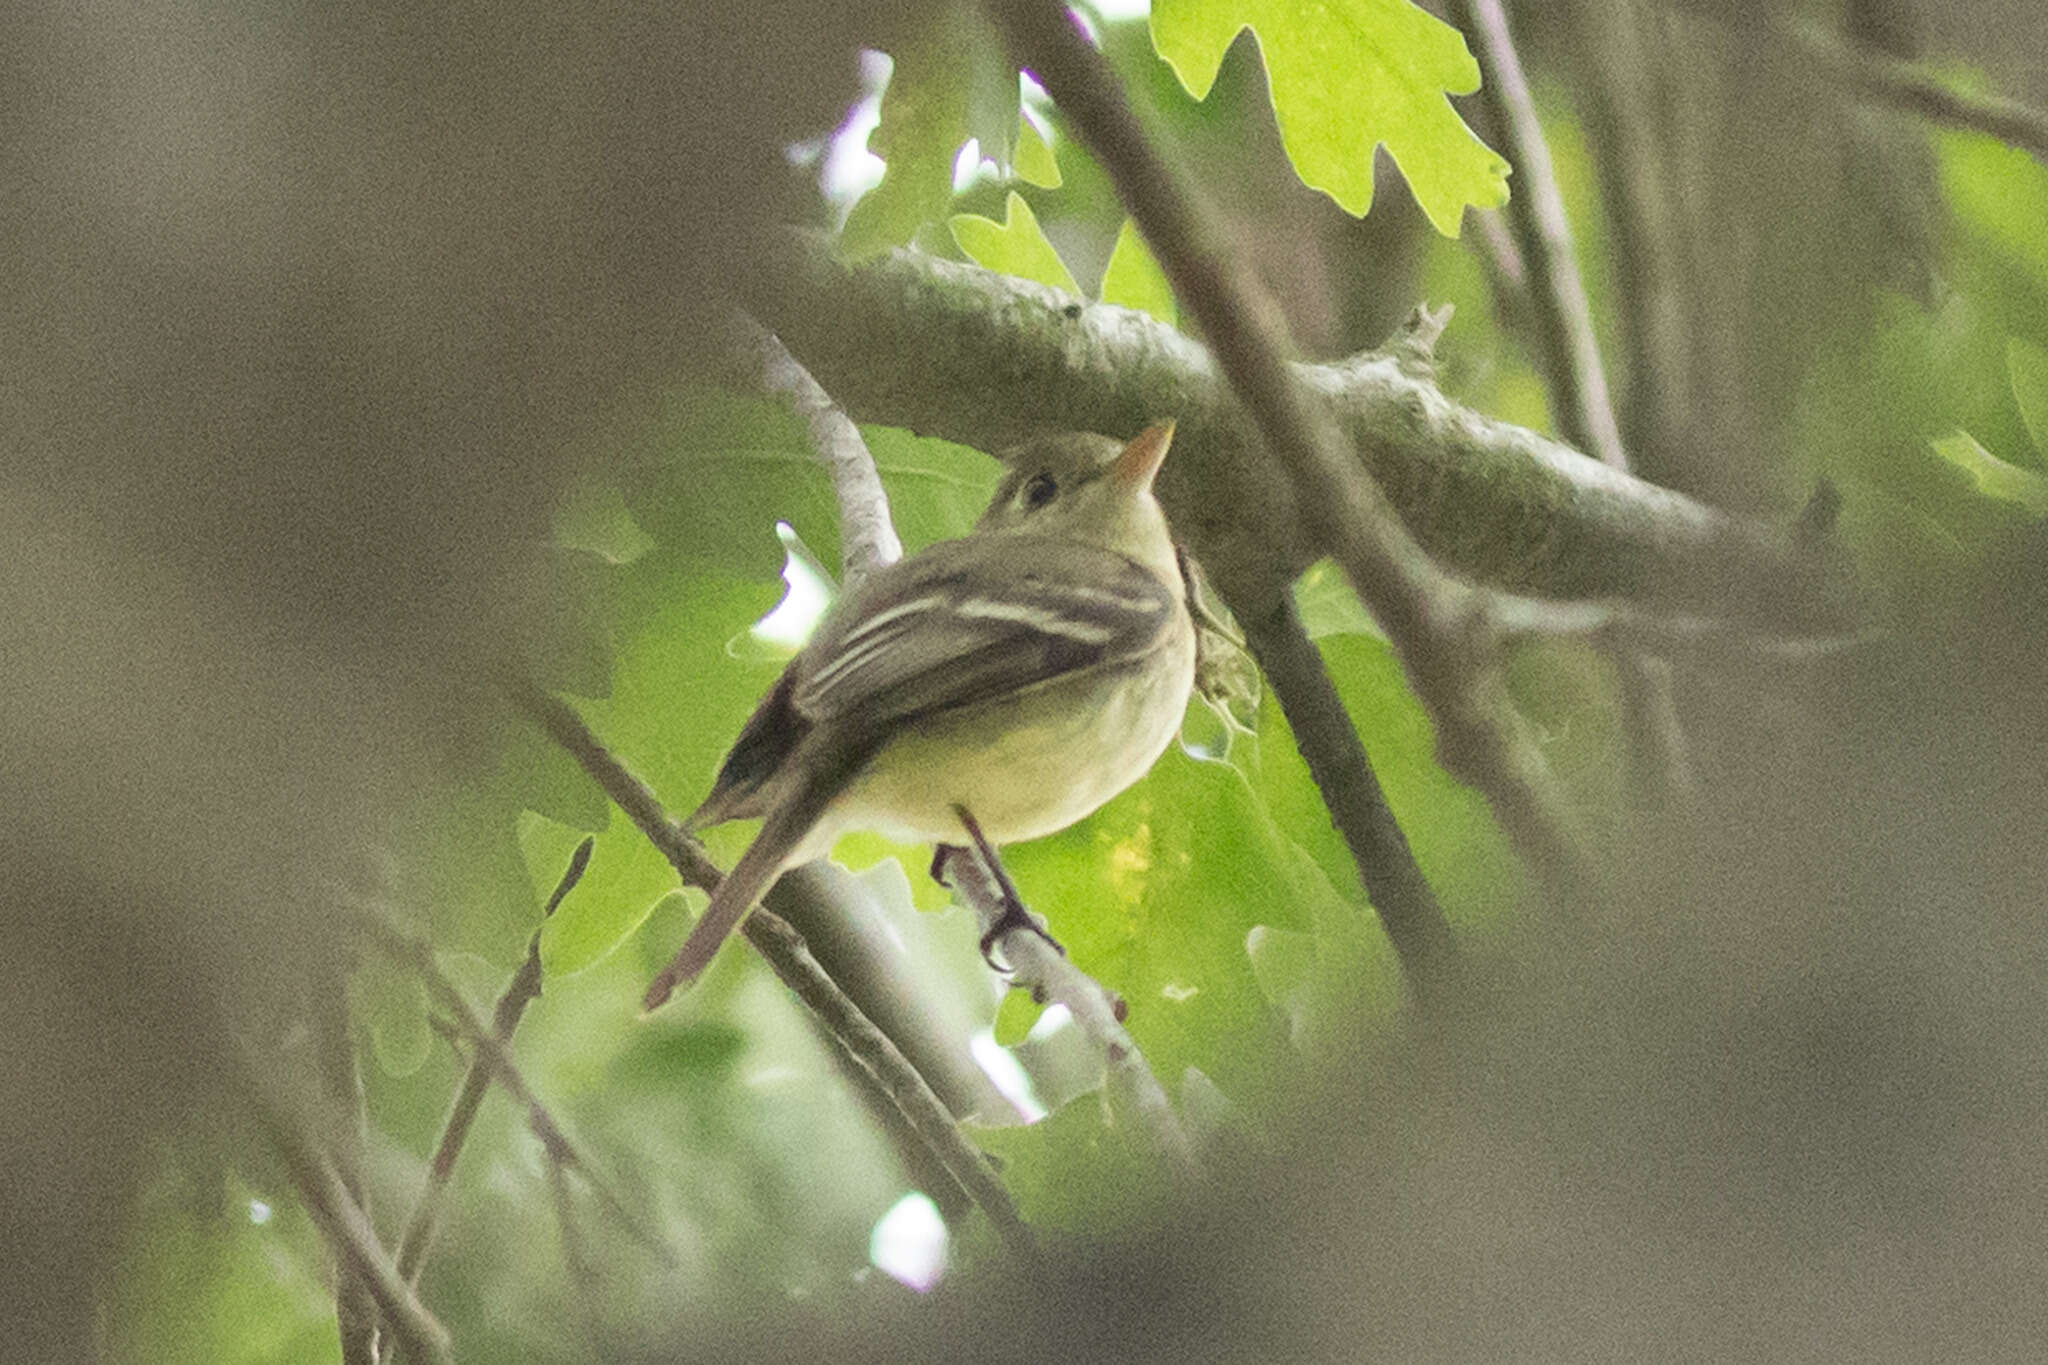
<point>1026,673</point>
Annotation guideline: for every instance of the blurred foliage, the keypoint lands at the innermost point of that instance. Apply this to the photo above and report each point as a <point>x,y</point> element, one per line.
<point>1214,896</point>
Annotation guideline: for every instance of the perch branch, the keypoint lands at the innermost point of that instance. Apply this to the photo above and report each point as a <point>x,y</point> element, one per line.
<point>869,1048</point>
<point>1045,971</point>
<point>519,992</point>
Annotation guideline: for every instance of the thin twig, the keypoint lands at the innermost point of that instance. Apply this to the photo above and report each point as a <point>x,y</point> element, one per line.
<point>1567,351</point>
<point>1430,617</point>
<point>1337,760</point>
<point>869,1048</point>
<point>355,1309</point>
<point>519,992</point>
<point>489,1050</point>
<point>1561,318</point>
<point>1036,965</point>
<point>867,536</point>
<point>422,1339</point>
<point>1908,86</point>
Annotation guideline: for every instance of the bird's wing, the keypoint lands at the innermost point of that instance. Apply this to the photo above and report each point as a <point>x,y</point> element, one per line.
<point>975,619</point>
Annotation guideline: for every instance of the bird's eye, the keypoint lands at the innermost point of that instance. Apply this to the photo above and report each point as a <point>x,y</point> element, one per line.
<point>1039,491</point>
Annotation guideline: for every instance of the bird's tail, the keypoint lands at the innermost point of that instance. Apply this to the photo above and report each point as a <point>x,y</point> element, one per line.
<point>756,871</point>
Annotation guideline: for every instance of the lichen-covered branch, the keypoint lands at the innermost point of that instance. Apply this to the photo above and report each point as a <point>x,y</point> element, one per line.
<point>953,350</point>
<point>1041,968</point>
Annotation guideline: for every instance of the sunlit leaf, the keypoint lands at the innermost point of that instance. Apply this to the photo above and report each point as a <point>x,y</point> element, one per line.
<point>1993,477</point>
<point>950,84</point>
<point>1347,75</point>
<point>1015,246</point>
<point>1036,164</point>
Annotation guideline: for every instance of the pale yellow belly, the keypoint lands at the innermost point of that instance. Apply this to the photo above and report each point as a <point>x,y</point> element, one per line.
<point>1025,768</point>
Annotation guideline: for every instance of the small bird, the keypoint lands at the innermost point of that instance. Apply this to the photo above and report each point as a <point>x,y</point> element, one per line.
<point>1025,674</point>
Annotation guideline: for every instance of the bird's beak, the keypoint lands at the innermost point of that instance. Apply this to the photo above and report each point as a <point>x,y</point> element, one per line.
<point>1143,456</point>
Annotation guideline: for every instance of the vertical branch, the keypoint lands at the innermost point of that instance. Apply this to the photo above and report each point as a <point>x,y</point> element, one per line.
<point>1337,761</point>
<point>355,1310</point>
<point>1566,350</point>
<point>1660,770</point>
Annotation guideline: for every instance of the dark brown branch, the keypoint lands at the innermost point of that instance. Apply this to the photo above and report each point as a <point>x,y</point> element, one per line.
<point>1430,617</point>
<point>1904,85</point>
<point>783,948</point>
<point>519,992</point>
<point>1337,760</point>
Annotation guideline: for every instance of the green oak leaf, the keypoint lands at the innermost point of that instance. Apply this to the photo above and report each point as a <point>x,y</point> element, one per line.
<point>1347,75</point>
<point>1080,1169</point>
<point>951,84</point>
<point>1015,246</point>
<point>1035,162</point>
<point>1134,279</point>
<point>1993,477</point>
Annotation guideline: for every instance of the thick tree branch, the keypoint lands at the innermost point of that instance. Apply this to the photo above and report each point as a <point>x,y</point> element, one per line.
<point>869,1048</point>
<point>953,350</point>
